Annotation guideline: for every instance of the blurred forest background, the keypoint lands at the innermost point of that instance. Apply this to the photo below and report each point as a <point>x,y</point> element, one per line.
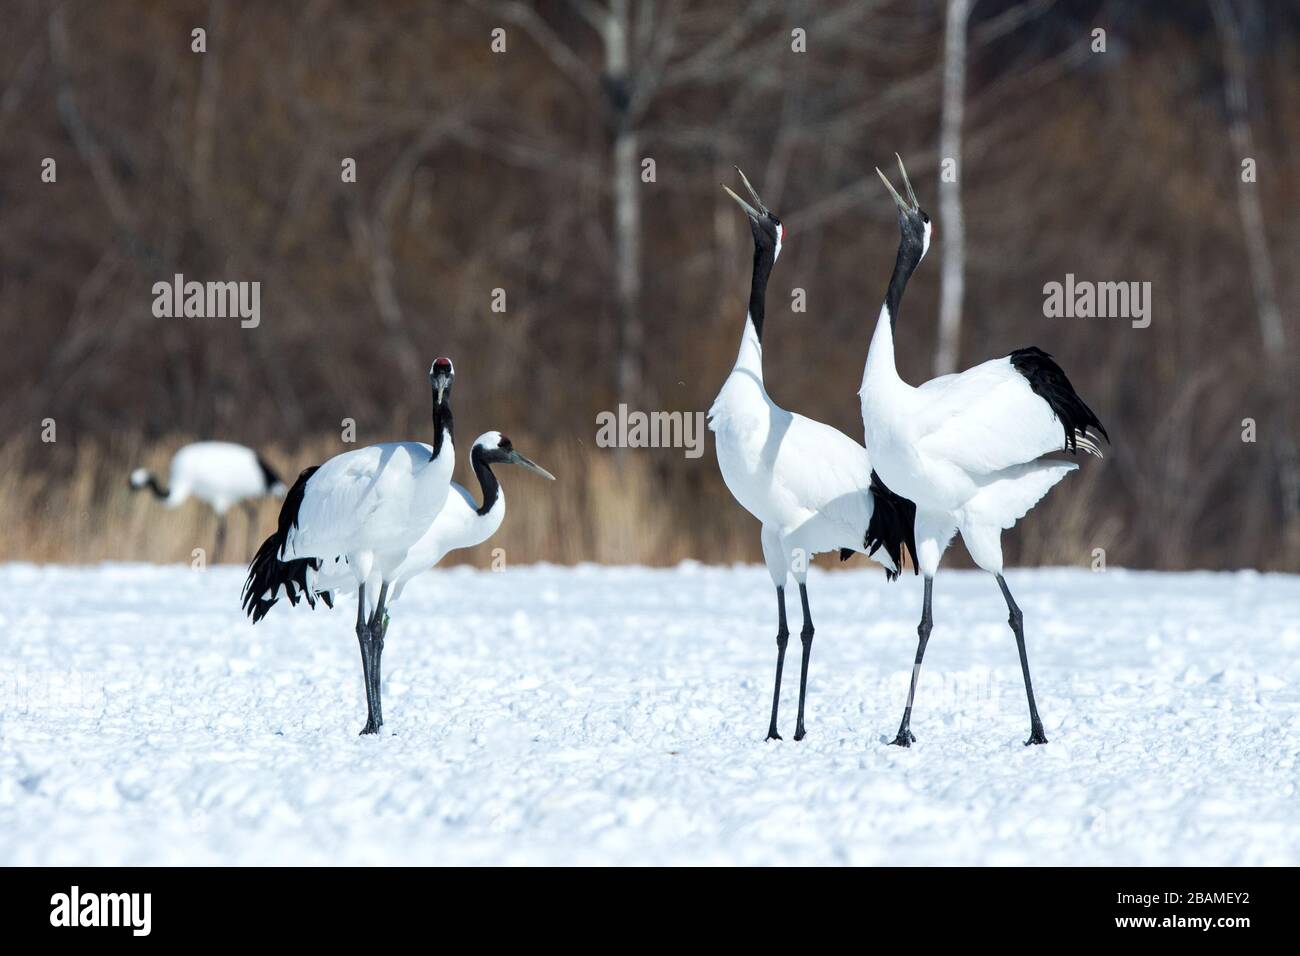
<point>522,171</point>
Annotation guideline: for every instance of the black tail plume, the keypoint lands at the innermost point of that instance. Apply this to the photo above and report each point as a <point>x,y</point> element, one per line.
<point>892,527</point>
<point>1049,383</point>
<point>267,574</point>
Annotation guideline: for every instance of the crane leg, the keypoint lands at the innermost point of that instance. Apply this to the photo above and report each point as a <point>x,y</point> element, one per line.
<point>219,548</point>
<point>378,627</point>
<point>363,638</point>
<point>1017,622</point>
<point>782,636</point>
<point>905,736</point>
<point>806,636</point>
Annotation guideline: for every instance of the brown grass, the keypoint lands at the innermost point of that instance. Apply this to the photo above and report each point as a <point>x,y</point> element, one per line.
<point>657,508</point>
<point>77,507</point>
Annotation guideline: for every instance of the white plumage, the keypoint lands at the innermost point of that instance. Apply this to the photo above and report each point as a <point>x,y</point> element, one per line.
<point>807,483</point>
<point>966,448</point>
<point>221,474</point>
<point>370,506</point>
<point>461,523</point>
<point>957,437</point>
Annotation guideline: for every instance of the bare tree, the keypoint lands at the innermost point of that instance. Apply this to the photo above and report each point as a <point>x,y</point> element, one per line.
<point>614,28</point>
<point>952,272</point>
<point>1252,216</point>
<point>621,90</point>
<point>524,172</point>
<point>641,56</point>
<point>1268,315</point>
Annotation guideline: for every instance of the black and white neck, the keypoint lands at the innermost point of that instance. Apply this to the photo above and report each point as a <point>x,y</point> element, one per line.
<point>443,428</point>
<point>764,259</point>
<point>912,247</point>
<point>141,479</point>
<point>481,458</point>
<point>494,448</point>
<point>768,234</point>
<point>441,377</point>
<point>914,230</point>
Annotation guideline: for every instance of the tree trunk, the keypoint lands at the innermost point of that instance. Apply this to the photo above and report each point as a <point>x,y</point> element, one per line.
<point>1272,332</point>
<point>625,189</point>
<point>1252,216</point>
<point>953,269</point>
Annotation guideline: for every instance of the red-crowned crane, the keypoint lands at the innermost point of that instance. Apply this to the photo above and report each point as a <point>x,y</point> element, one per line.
<point>967,448</point>
<point>221,474</point>
<point>810,486</point>
<point>367,507</point>
<point>462,523</point>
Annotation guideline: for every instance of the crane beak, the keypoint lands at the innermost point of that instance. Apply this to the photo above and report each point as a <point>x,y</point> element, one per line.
<point>758,213</point>
<point>902,203</point>
<point>911,194</point>
<point>750,211</point>
<point>518,459</point>
<point>441,385</point>
<point>440,377</point>
<point>898,200</point>
<point>752,192</point>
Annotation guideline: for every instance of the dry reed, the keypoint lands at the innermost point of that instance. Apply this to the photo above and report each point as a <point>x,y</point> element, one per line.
<point>75,506</point>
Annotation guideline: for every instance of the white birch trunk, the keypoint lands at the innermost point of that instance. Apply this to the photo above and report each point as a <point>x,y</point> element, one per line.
<point>952,270</point>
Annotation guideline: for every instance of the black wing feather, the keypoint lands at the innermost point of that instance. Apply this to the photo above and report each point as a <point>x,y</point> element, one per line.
<point>1049,383</point>
<point>892,526</point>
<point>267,574</point>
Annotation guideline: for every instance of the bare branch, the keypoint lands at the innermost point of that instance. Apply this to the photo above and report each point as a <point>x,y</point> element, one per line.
<point>569,63</point>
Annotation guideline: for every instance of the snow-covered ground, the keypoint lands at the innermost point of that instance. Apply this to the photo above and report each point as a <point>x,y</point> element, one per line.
<point>617,715</point>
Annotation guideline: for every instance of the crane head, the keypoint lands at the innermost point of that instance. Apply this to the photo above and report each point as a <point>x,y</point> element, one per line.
<point>494,448</point>
<point>768,231</point>
<point>441,376</point>
<point>913,223</point>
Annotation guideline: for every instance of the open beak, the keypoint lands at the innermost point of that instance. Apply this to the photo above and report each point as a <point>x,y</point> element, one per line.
<point>911,194</point>
<point>518,459</point>
<point>913,206</point>
<point>758,213</point>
